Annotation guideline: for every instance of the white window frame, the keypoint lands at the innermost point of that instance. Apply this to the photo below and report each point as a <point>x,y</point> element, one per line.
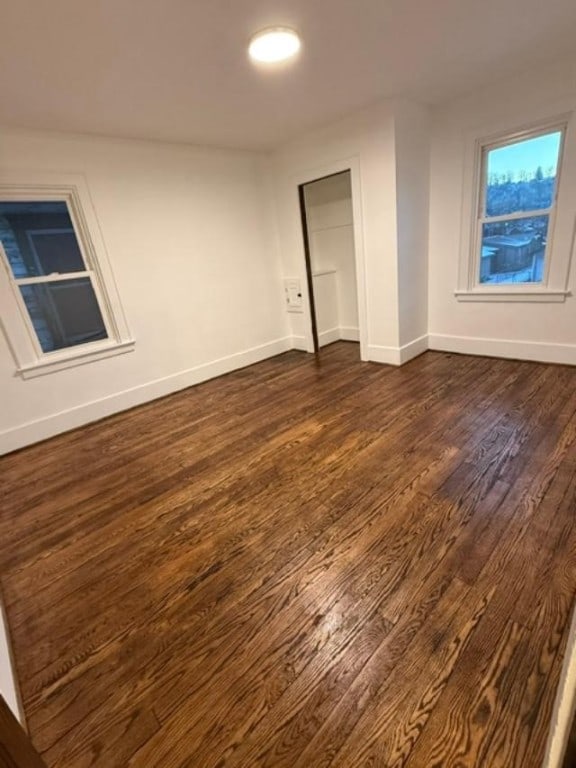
<point>16,323</point>
<point>553,287</point>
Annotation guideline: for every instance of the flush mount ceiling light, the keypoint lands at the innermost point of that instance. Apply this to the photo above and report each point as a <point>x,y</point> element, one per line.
<point>274,44</point>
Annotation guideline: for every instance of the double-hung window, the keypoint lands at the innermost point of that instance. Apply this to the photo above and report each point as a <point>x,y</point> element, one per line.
<point>58,309</point>
<point>514,200</point>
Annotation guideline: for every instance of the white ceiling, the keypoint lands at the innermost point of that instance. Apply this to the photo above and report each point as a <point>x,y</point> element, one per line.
<point>178,70</point>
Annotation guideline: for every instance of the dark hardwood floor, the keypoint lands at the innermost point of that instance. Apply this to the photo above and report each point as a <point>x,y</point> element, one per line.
<point>355,565</point>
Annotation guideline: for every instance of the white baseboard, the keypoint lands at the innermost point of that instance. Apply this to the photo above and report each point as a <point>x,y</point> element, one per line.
<point>344,333</point>
<point>413,349</point>
<point>541,352</point>
<point>386,355</point>
<point>329,337</point>
<point>398,355</point>
<point>299,343</point>
<point>349,333</point>
<point>33,432</point>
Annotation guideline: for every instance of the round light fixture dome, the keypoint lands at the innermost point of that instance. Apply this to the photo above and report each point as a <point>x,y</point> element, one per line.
<point>274,44</point>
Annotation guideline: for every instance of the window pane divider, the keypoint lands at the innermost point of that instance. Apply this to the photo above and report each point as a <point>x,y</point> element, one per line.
<point>515,216</point>
<point>54,277</point>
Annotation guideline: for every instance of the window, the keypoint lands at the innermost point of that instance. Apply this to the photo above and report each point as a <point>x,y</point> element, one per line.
<point>516,208</point>
<point>509,253</point>
<point>58,309</point>
<point>55,287</point>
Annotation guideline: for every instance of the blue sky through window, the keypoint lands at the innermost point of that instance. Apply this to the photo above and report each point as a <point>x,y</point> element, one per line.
<point>525,157</point>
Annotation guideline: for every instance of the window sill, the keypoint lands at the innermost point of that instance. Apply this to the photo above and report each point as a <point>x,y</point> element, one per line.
<point>60,362</point>
<point>542,295</point>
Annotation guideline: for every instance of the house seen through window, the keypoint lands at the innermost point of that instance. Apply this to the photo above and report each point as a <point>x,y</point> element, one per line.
<point>54,285</point>
<point>517,202</point>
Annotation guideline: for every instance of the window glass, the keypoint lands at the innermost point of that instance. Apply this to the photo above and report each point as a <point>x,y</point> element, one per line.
<point>513,250</point>
<point>519,181</point>
<point>39,239</point>
<point>522,176</point>
<point>64,313</point>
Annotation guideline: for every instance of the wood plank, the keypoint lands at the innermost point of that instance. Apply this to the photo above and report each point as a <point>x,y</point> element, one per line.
<point>16,749</point>
<point>300,566</point>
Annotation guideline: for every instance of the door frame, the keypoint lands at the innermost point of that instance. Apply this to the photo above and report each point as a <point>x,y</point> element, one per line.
<point>302,179</point>
<point>309,274</point>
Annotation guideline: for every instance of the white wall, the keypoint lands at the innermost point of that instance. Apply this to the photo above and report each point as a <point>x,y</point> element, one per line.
<point>331,231</point>
<point>190,236</point>
<point>7,679</point>
<point>198,259</point>
<point>390,194</point>
<point>412,133</point>
<point>544,331</point>
<point>364,143</point>
<point>326,304</point>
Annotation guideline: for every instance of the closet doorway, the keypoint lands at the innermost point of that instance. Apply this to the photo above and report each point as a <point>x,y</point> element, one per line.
<point>328,230</point>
